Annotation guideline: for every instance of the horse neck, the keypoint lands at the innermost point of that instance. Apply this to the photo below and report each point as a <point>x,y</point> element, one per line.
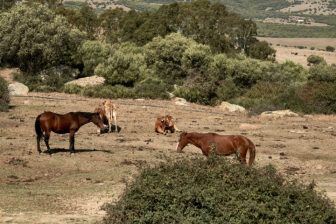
<point>196,139</point>
<point>84,118</point>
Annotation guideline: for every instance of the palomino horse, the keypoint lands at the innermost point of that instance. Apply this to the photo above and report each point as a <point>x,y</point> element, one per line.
<point>107,112</point>
<point>68,123</point>
<point>222,144</point>
<point>165,124</point>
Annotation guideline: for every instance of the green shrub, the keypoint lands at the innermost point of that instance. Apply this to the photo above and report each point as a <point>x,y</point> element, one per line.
<point>215,191</point>
<point>262,50</point>
<point>4,95</point>
<point>192,94</point>
<point>315,60</point>
<point>108,91</point>
<point>92,53</point>
<point>330,49</point>
<point>125,67</point>
<point>72,89</point>
<point>322,73</point>
<point>227,90</point>
<point>49,80</point>
<point>152,88</point>
<point>318,97</point>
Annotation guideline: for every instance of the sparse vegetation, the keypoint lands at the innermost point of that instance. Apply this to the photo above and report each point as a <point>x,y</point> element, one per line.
<point>215,191</point>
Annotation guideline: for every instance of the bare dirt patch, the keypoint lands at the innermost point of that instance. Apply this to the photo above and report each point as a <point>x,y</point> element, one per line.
<point>72,189</point>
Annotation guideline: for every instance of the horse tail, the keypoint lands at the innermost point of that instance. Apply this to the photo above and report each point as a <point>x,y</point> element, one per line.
<point>38,129</point>
<point>252,151</point>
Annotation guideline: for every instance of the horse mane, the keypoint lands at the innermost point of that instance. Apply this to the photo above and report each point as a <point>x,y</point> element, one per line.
<point>87,115</point>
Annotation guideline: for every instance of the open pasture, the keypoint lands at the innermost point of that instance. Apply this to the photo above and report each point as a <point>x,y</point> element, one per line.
<point>64,188</point>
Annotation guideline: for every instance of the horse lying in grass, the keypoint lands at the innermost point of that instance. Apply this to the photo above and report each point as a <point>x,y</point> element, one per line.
<point>165,124</point>
<point>68,123</point>
<point>221,144</point>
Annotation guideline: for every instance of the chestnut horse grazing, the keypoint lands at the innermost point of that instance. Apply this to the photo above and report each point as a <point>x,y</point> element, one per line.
<point>222,144</point>
<point>68,123</point>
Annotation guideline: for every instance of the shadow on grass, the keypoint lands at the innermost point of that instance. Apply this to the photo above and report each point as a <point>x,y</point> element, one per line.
<point>112,129</point>
<point>63,150</point>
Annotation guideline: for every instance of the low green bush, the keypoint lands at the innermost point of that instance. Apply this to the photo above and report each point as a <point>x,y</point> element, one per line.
<point>216,191</point>
<point>322,73</point>
<point>330,49</point>
<point>4,95</point>
<point>49,80</point>
<point>108,91</point>
<point>315,60</point>
<point>152,88</point>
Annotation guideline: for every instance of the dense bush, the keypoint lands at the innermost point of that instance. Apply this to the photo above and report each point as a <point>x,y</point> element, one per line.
<point>125,66</point>
<point>4,95</point>
<point>261,50</point>
<point>48,80</point>
<point>152,88</point>
<point>330,48</point>
<point>315,60</point>
<point>323,72</point>
<point>215,191</point>
<point>92,53</point>
<point>34,38</point>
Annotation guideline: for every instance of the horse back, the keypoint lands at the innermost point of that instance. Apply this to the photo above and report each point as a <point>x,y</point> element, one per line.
<point>57,123</point>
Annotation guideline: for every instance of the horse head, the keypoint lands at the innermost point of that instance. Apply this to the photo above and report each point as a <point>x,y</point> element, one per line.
<point>98,121</point>
<point>168,121</point>
<point>183,141</point>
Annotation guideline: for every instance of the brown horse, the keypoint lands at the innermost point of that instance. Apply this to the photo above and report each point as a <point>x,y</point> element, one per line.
<point>68,123</point>
<point>222,144</point>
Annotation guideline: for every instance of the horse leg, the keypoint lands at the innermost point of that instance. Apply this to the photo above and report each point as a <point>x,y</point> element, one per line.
<point>72,142</point>
<point>46,140</point>
<point>115,122</point>
<point>38,140</point>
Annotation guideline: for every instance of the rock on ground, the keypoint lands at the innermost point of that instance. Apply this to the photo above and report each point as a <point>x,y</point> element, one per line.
<point>279,113</point>
<point>226,106</point>
<point>18,89</point>
<point>87,81</point>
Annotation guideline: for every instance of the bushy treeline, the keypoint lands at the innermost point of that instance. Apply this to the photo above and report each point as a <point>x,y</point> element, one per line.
<point>35,37</point>
<point>215,191</point>
<point>140,55</point>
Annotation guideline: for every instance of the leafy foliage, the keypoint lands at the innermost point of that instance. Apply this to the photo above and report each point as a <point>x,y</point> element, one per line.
<point>330,48</point>
<point>4,95</point>
<point>261,50</point>
<point>200,20</point>
<point>48,80</point>
<point>125,66</point>
<point>34,38</point>
<point>315,60</point>
<point>92,53</point>
<point>215,191</point>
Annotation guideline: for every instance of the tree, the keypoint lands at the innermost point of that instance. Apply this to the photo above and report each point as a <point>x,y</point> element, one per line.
<point>34,38</point>
<point>111,23</point>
